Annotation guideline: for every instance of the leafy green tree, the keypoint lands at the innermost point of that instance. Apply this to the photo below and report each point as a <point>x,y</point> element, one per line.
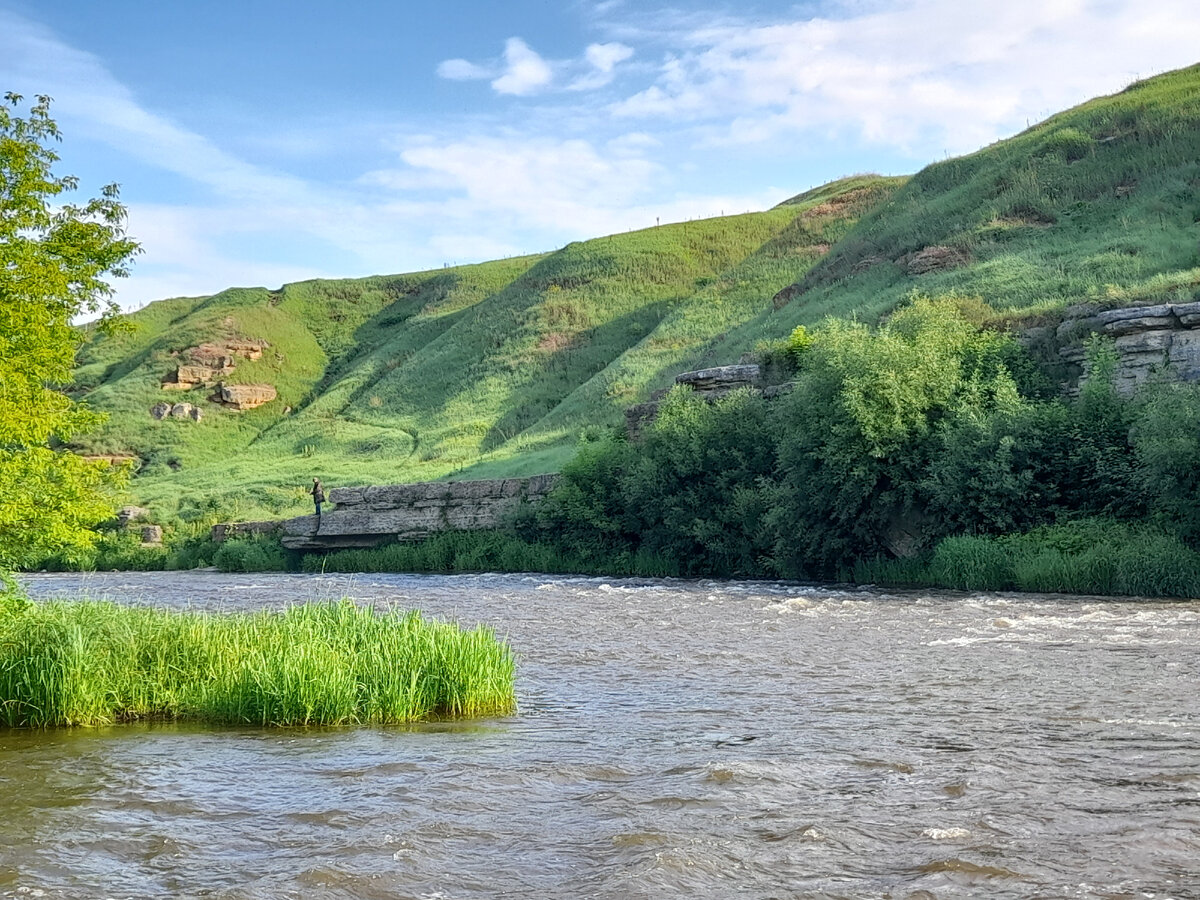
<point>858,431</point>
<point>54,259</point>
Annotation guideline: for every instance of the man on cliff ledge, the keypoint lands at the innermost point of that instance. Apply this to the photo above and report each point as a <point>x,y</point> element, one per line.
<point>318,495</point>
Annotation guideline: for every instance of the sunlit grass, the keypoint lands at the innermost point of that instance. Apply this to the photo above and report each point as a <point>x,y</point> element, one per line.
<point>333,663</point>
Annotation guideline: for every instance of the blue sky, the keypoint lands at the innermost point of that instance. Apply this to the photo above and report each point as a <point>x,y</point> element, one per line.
<point>262,142</point>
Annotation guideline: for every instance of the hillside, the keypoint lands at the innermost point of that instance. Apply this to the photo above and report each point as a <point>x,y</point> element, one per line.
<point>494,367</point>
<point>1096,204</point>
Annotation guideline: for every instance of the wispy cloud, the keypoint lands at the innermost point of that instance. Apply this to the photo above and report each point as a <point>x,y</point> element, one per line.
<point>941,71</point>
<point>671,115</point>
<point>523,71</point>
<point>462,70</point>
<point>604,59</point>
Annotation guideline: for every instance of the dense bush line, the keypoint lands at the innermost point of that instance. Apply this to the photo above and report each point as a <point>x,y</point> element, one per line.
<point>932,438</point>
<point>929,433</point>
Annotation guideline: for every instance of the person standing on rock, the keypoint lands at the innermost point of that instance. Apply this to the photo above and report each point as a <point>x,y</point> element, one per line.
<point>318,495</point>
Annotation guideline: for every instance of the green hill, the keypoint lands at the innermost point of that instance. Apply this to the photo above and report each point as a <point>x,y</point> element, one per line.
<point>1098,203</point>
<point>495,369</point>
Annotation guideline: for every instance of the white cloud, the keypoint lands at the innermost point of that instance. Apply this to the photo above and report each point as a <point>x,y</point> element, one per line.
<point>525,71</point>
<point>461,70</point>
<point>606,56</point>
<point>941,72</point>
<point>603,59</point>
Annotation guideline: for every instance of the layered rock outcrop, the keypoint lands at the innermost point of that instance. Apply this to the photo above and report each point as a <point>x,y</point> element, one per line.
<point>206,364</point>
<point>246,396</point>
<point>370,516</point>
<point>1151,341</point>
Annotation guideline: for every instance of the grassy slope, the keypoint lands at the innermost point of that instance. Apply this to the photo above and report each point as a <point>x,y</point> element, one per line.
<point>1096,203</point>
<point>494,367</point>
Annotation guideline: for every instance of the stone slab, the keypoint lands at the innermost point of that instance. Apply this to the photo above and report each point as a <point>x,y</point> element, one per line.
<point>1109,316</point>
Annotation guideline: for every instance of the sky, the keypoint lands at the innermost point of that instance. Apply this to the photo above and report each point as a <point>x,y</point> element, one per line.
<point>263,142</point>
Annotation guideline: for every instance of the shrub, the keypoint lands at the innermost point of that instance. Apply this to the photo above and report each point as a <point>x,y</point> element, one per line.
<point>255,554</point>
<point>1069,144</point>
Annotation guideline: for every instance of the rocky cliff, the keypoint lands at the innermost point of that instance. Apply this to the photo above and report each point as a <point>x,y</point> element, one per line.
<point>370,516</point>
<point>1160,341</point>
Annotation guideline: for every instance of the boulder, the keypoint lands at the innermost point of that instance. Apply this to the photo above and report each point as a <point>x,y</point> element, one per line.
<point>160,410</point>
<point>152,534</point>
<point>127,515</point>
<point>247,396</point>
<point>182,411</point>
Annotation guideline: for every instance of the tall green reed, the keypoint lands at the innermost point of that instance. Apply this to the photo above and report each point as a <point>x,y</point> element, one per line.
<point>93,663</point>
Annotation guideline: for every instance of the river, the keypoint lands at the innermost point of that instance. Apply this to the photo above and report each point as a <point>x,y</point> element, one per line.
<point>674,739</point>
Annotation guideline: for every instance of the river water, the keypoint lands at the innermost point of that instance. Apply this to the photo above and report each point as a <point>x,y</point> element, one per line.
<point>674,739</point>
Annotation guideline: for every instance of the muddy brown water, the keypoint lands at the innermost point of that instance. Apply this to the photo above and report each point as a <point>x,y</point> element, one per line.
<point>674,739</point>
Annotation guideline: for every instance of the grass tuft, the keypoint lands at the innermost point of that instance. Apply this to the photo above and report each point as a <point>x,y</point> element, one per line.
<point>334,663</point>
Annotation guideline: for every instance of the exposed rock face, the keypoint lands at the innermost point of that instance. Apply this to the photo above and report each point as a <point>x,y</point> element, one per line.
<point>152,534</point>
<point>1162,340</point>
<point>935,259</point>
<point>208,363</point>
<point>247,349</point>
<point>247,396</point>
<point>188,377</point>
<point>720,379</point>
<point>369,516</point>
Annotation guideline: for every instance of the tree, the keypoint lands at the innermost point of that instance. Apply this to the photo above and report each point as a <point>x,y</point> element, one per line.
<point>54,260</point>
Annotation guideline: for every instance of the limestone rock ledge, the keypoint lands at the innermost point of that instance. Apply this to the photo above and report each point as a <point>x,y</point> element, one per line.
<point>246,396</point>
<point>1161,340</point>
<point>370,516</point>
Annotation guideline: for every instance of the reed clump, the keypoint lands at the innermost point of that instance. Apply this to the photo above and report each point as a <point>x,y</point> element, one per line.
<point>329,663</point>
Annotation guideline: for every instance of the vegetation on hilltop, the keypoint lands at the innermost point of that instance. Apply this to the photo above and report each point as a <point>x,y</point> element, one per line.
<point>921,452</point>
